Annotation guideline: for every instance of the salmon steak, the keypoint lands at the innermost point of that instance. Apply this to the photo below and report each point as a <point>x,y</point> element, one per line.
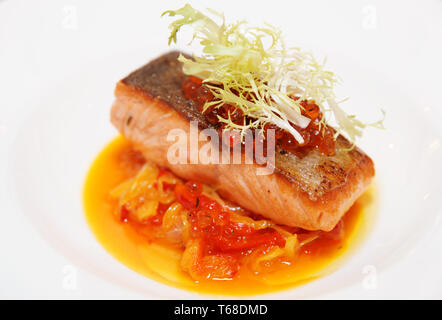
<point>312,192</point>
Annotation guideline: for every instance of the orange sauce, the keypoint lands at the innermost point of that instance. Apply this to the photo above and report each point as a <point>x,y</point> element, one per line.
<point>161,262</point>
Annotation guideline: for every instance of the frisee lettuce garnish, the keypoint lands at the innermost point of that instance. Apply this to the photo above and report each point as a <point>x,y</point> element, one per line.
<point>252,69</point>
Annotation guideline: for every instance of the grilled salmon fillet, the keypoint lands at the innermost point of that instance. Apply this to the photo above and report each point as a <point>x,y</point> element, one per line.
<point>312,192</point>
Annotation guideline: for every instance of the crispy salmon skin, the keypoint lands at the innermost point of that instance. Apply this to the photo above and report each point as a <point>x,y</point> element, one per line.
<point>312,192</point>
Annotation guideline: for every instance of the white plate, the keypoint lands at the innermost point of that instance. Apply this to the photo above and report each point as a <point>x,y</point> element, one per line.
<point>58,69</point>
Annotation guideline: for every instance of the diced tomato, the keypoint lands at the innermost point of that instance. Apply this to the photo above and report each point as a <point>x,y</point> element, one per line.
<point>188,193</point>
<point>162,172</point>
<point>195,188</point>
<point>157,219</point>
<point>124,214</point>
<point>240,240</point>
<point>209,204</point>
<point>187,199</point>
<point>212,224</point>
<point>219,266</point>
<point>168,186</point>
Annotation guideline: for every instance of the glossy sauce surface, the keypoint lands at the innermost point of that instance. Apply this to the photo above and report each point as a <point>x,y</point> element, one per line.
<point>161,261</point>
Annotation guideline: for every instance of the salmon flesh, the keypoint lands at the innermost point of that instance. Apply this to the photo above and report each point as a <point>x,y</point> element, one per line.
<point>312,192</point>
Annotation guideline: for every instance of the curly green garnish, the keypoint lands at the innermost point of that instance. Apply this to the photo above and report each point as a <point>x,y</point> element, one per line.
<point>251,69</point>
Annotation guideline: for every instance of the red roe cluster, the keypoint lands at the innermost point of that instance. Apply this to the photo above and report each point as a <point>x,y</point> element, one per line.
<point>316,136</point>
